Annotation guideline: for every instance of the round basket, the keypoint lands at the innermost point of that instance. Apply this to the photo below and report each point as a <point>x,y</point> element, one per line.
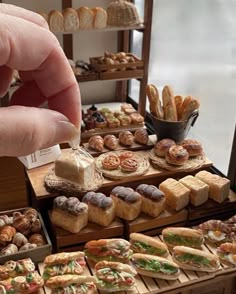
<point>192,163</point>
<point>118,174</point>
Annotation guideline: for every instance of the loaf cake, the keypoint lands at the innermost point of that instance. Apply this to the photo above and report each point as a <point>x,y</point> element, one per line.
<point>101,209</point>
<point>219,187</point>
<point>69,213</point>
<point>198,189</point>
<point>153,199</point>
<point>177,195</point>
<point>127,202</point>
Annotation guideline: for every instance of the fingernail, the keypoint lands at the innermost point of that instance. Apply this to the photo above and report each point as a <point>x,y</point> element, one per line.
<point>67,132</point>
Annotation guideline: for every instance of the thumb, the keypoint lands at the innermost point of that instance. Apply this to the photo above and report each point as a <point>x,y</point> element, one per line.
<point>24,130</point>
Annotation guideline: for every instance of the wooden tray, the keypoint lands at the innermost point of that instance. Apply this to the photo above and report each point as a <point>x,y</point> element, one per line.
<point>36,254</point>
<point>134,147</point>
<point>122,75</point>
<point>87,77</point>
<point>118,174</point>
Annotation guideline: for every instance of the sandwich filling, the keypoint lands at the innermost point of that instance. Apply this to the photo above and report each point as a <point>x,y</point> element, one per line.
<point>195,260</point>
<point>143,247</point>
<point>188,241</point>
<point>72,267</point>
<point>155,266</point>
<point>74,289</point>
<point>114,279</point>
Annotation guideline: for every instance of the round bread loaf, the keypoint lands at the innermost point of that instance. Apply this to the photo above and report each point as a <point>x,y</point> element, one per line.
<point>163,146</point>
<point>177,155</point>
<point>193,147</point>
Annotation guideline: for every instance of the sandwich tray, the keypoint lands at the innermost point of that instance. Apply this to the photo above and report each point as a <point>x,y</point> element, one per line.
<point>188,279</point>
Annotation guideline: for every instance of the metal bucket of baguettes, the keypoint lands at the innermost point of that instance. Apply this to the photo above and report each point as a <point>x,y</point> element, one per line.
<point>174,115</point>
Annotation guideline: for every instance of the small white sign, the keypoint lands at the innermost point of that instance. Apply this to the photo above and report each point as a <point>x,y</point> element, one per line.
<point>41,157</point>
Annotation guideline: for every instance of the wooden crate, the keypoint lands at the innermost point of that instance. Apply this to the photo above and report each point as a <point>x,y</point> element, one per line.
<point>36,254</point>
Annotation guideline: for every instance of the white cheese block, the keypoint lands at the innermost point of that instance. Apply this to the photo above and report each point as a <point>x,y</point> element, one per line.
<point>198,189</point>
<point>219,187</point>
<point>177,195</point>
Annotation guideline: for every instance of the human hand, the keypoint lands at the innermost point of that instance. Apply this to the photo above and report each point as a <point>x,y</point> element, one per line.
<point>28,46</point>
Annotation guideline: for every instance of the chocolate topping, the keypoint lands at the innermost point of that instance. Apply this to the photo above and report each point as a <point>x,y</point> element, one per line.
<point>106,202</point>
<point>126,194</point>
<point>150,192</point>
<point>71,204</point>
<point>98,199</point>
<point>60,201</point>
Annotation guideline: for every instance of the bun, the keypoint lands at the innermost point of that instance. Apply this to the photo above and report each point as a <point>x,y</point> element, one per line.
<point>141,136</point>
<point>86,18</point>
<point>153,199</point>
<point>198,190</point>
<point>116,265</point>
<point>141,243</point>
<point>177,155</point>
<point>111,142</point>
<point>177,195</point>
<point>100,18</point>
<point>198,260</point>
<point>126,138</point>
<point>101,209</point>
<point>96,143</point>
<point>169,107</point>
<point>127,202</point>
<point>56,21</point>
<point>157,272</point>
<point>219,187</point>
<point>182,236</point>
<point>163,146</point>
<point>71,20</point>
<point>69,214</point>
<point>136,118</point>
<point>193,147</point>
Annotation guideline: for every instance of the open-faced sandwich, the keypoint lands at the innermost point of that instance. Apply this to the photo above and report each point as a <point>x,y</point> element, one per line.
<point>13,268</point>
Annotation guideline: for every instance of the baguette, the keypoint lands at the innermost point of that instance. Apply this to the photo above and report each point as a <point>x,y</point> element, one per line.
<point>188,106</point>
<point>194,259</point>
<point>154,100</point>
<point>178,103</point>
<point>170,112</point>
<point>182,236</point>
<point>155,266</point>
<point>62,257</point>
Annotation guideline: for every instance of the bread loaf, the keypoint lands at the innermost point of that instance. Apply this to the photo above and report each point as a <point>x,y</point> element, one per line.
<point>219,187</point>
<point>177,195</point>
<point>188,106</point>
<point>86,18</point>
<point>100,18</point>
<point>56,21</point>
<point>169,107</point>
<point>71,20</point>
<point>198,189</point>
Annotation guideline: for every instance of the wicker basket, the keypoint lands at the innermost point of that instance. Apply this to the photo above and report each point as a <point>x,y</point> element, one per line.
<point>122,13</point>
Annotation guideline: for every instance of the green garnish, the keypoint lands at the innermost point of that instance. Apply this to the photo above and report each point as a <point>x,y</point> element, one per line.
<point>193,258</point>
<point>148,249</point>
<point>166,268</point>
<point>29,278</point>
<point>182,240</point>
<point>149,265</point>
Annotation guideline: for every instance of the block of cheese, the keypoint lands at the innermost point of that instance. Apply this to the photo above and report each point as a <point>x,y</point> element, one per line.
<point>177,195</point>
<point>218,186</point>
<point>198,189</point>
<point>75,168</point>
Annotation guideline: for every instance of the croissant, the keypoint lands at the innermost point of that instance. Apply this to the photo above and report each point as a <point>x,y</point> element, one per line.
<point>7,233</point>
<point>5,220</point>
<point>21,223</point>
<point>31,214</point>
<point>36,226</point>
<point>19,240</point>
<point>141,136</point>
<point>111,142</point>
<point>27,246</point>
<point>96,143</point>
<point>215,225</point>
<point>231,220</point>
<point>37,239</point>
<point>10,249</point>
<point>228,247</point>
<point>126,138</point>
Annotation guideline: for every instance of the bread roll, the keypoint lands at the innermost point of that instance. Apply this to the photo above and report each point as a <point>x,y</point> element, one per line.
<point>219,187</point>
<point>101,209</point>
<point>71,20</point>
<point>126,138</point>
<point>169,107</point>
<point>177,195</point>
<point>193,147</point>
<point>153,199</point>
<point>141,136</point>
<point>198,190</point>
<point>86,18</point>
<point>127,202</point>
<point>100,18</point>
<point>56,21</point>
<point>177,155</point>
<point>162,146</point>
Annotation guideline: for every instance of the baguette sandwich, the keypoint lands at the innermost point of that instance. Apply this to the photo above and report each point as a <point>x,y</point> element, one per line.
<point>182,236</point>
<point>114,276</point>
<point>30,283</point>
<point>227,252</point>
<point>195,259</point>
<point>71,284</point>
<point>16,268</point>
<point>108,249</point>
<point>64,263</point>
<point>148,245</point>
<point>155,266</point>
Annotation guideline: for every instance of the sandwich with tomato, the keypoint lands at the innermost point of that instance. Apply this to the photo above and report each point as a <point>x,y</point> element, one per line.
<point>64,263</point>
<point>108,249</point>
<point>114,276</point>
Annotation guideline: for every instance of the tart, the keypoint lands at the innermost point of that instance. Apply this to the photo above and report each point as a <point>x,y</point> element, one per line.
<point>129,165</point>
<point>111,162</point>
<point>126,154</point>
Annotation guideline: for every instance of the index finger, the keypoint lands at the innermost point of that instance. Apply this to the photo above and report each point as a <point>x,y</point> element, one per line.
<point>27,47</point>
